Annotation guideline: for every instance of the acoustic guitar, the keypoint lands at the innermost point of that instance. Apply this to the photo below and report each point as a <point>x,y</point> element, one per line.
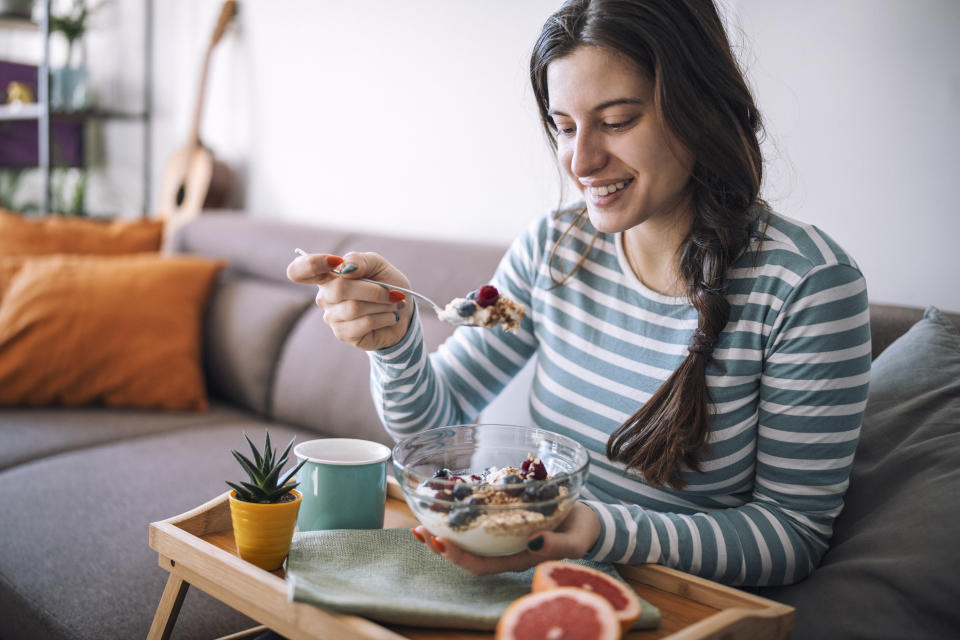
<point>193,179</point>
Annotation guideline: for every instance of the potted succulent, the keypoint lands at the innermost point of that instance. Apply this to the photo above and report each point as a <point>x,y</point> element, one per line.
<point>264,510</point>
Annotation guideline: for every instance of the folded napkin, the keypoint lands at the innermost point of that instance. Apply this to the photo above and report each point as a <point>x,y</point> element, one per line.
<point>386,575</point>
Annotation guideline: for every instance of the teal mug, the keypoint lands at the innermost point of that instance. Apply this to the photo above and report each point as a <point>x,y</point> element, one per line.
<point>343,482</point>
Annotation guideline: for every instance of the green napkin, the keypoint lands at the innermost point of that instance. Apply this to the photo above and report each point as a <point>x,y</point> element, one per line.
<point>386,575</point>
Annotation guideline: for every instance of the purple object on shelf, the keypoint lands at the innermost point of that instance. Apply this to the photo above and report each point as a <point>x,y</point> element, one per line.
<point>18,138</point>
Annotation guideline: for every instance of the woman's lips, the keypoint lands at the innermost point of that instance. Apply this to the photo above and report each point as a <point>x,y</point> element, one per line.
<point>607,194</point>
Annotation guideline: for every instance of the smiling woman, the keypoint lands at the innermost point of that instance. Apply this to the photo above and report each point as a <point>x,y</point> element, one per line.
<point>710,354</point>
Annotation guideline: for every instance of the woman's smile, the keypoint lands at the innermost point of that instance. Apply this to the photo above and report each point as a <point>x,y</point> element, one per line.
<point>606,194</point>
<point>612,141</point>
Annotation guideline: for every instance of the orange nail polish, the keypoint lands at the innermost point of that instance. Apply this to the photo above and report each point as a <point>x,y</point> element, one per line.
<point>396,296</point>
<point>417,535</point>
<point>334,261</point>
<point>437,544</point>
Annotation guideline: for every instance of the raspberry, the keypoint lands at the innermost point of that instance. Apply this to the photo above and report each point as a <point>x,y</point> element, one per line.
<point>538,470</point>
<point>487,295</point>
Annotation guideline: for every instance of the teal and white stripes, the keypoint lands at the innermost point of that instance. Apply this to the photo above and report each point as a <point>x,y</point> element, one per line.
<point>788,401</point>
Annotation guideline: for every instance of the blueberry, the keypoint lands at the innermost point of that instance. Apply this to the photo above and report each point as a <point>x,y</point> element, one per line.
<point>462,491</point>
<point>474,501</point>
<point>473,294</point>
<point>549,491</point>
<point>530,494</point>
<point>545,509</point>
<point>440,474</point>
<point>461,517</point>
<point>511,479</point>
<point>466,309</point>
<point>540,493</point>
<point>441,496</point>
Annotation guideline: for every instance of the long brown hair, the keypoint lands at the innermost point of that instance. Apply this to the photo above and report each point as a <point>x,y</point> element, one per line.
<point>704,101</point>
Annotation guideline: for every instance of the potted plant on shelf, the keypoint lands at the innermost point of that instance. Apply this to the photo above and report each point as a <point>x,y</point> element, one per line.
<point>264,510</point>
<point>68,84</point>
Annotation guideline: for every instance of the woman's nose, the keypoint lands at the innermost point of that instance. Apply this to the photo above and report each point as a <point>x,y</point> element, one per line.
<point>589,156</point>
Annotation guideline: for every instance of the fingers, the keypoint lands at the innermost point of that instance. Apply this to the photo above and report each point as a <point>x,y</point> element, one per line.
<point>365,265</point>
<point>314,268</point>
<point>363,314</point>
<point>477,565</point>
<point>342,289</point>
<point>355,329</point>
<point>575,536</point>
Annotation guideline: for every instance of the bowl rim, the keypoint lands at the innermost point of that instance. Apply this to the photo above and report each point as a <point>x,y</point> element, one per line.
<point>400,468</point>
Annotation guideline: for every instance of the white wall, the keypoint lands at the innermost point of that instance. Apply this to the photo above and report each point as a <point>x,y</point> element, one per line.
<point>415,117</point>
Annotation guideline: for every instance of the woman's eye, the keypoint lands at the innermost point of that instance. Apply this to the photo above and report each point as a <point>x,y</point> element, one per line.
<point>562,130</point>
<point>619,124</point>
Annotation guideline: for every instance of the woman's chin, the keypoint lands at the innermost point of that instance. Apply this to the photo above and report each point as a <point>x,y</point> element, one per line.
<point>607,221</point>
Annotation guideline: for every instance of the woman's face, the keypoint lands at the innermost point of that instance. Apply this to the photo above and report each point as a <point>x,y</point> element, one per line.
<point>613,143</point>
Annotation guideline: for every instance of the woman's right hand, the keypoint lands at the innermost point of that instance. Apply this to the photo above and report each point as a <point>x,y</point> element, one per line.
<point>361,314</point>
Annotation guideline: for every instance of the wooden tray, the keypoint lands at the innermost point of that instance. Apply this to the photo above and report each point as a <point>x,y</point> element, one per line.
<point>197,548</point>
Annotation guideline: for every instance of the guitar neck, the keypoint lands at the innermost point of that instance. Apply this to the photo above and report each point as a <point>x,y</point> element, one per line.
<point>227,12</point>
<point>194,138</point>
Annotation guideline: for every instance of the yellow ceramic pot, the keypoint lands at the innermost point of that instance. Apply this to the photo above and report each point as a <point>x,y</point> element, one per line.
<point>263,531</point>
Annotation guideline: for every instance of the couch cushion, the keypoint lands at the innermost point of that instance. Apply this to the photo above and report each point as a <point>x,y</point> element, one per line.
<point>76,561</point>
<point>257,247</point>
<point>20,235</point>
<point>892,569</point>
<point>114,330</point>
<point>247,322</point>
<point>309,394</point>
<point>30,433</point>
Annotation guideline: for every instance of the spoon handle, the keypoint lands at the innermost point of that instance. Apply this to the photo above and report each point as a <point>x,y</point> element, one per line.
<point>437,308</point>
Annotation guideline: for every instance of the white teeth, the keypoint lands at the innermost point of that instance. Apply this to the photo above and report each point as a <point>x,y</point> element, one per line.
<point>606,189</point>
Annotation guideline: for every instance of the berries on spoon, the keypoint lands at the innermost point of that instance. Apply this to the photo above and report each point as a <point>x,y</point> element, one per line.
<point>487,295</point>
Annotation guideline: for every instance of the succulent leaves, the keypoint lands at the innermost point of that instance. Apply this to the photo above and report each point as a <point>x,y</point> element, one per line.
<point>266,486</point>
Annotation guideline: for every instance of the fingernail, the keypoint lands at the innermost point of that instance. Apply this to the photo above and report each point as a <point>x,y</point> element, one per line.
<point>396,317</point>
<point>396,296</point>
<point>417,535</point>
<point>536,544</point>
<point>437,544</point>
<point>350,268</point>
<point>334,261</point>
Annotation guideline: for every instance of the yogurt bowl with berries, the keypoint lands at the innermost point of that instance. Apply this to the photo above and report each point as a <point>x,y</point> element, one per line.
<point>487,488</point>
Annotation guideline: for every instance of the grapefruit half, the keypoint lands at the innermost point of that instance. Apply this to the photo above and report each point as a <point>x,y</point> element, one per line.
<point>565,613</point>
<point>555,574</point>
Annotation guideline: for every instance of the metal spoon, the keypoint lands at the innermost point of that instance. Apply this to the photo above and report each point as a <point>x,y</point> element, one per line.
<point>437,308</point>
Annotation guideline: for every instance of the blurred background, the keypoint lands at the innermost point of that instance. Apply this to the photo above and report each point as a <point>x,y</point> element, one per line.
<point>415,117</point>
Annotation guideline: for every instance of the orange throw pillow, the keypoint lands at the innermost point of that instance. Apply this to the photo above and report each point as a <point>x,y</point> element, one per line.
<point>122,331</point>
<point>21,236</point>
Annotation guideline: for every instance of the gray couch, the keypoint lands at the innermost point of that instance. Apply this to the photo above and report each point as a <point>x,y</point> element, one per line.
<point>78,487</point>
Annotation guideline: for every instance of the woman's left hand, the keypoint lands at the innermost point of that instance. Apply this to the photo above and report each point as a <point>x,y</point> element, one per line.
<point>572,539</point>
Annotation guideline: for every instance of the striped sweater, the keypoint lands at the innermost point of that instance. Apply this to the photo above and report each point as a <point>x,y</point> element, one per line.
<point>787,405</point>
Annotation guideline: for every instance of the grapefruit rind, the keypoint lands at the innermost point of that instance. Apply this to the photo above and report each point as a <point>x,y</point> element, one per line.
<point>567,617</point>
<point>627,607</point>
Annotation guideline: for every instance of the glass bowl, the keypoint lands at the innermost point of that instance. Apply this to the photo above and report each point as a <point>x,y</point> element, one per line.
<point>469,484</point>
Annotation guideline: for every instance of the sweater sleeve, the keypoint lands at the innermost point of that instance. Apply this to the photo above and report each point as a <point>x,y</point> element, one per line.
<point>413,390</point>
<point>812,396</point>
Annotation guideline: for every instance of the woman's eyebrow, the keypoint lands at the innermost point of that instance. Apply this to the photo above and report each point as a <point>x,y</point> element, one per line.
<point>603,105</point>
